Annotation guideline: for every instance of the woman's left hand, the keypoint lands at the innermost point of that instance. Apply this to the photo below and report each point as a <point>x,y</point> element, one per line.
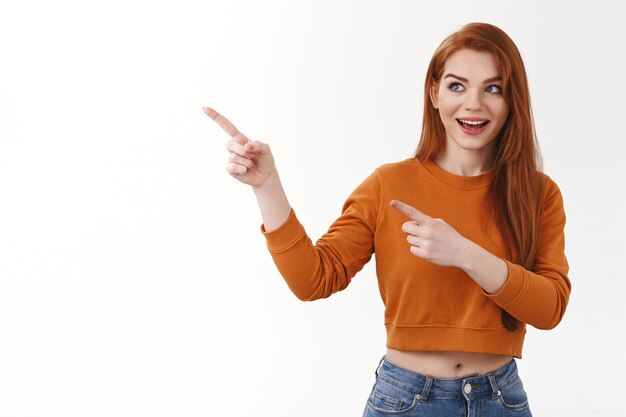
<point>432,239</point>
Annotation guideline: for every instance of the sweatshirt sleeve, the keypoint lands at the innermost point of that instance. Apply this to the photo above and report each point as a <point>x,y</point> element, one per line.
<point>317,271</point>
<point>539,297</point>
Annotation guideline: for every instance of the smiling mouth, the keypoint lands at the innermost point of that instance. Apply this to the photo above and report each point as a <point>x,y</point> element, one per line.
<point>472,124</point>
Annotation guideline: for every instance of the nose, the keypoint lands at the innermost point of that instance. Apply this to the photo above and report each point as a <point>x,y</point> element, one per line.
<point>473,100</point>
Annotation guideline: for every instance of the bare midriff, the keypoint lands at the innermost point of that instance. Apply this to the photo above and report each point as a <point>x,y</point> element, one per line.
<point>447,364</point>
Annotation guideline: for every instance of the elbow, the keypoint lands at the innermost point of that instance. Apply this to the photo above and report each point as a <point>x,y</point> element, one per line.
<point>554,315</point>
<point>319,285</point>
<point>549,323</point>
<point>305,293</point>
<point>305,296</point>
<point>300,296</point>
<point>306,287</point>
<point>323,290</point>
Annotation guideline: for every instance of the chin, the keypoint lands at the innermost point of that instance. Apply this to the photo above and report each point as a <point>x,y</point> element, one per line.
<point>472,144</point>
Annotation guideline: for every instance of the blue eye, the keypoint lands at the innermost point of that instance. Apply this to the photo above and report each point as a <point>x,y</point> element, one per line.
<point>495,89</point>
<point>457,87</point>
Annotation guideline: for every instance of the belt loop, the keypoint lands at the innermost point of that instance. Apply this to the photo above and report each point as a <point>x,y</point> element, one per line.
<point>423,397</point>
<point>494,386</point>
<point>379,365</point>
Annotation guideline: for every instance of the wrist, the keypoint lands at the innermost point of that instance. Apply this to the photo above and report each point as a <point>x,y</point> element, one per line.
<point>470,254</point>
<point>486,269</point>
<point>271,181</point>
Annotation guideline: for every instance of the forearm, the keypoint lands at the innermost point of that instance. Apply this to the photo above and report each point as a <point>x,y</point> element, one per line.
<point>489,271</point>
<point>537,298</point>
<point>318,270</point>
<point>273,202</point>
<point>537,295</point>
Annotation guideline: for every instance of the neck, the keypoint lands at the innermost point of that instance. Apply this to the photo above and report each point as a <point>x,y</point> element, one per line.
<point>467,163</point>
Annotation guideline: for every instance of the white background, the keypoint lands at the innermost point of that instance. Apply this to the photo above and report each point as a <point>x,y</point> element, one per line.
<point>134,280</point>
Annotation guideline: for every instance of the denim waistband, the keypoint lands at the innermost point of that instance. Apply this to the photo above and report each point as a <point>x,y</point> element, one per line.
<point>469,386</point>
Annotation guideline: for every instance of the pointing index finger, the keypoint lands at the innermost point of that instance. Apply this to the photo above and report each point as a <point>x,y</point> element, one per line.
<point>410,211</point>
<point>226,125</point>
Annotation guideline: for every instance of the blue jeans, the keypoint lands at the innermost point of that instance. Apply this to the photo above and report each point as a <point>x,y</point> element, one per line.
<point>400,392</point>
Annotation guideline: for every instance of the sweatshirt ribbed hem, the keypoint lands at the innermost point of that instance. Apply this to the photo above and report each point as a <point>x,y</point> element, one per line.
<point>455,339</point>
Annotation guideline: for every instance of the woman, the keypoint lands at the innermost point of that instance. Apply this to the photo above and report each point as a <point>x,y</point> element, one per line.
<point>468,236</point>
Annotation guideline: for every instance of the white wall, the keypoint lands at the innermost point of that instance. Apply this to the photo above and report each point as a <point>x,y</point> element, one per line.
<point>134,280</point>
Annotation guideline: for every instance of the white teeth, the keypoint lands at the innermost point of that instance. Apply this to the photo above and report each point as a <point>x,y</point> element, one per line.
<point>472,122</point>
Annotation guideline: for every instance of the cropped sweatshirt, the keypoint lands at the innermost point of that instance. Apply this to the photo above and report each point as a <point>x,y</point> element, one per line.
<point>430,307</point>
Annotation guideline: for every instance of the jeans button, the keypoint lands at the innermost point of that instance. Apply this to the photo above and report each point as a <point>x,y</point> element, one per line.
<point>467,388</point>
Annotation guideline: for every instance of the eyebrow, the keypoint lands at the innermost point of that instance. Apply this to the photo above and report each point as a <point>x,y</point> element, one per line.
<point>488,80</point>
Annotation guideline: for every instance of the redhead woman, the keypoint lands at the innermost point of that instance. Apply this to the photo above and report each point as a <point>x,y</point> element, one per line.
<point>468,236</point>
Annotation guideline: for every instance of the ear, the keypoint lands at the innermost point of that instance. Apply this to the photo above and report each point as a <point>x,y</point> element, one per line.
<point>433,95</point>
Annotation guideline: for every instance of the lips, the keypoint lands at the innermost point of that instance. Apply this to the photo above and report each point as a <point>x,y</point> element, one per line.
<point>472,125</point>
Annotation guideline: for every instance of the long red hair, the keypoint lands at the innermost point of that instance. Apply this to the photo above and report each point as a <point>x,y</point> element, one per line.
<point>516,183</point>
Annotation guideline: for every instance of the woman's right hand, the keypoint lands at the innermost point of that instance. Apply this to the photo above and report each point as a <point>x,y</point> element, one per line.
<point>251,162</point>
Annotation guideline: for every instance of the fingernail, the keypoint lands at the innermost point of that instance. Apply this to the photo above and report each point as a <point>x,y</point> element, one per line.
<point>209,111</point>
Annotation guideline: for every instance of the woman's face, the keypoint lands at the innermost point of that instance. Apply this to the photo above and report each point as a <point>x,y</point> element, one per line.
<point>470,101</point>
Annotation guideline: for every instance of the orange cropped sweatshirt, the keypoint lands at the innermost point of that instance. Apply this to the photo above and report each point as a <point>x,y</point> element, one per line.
<point>430,307</point>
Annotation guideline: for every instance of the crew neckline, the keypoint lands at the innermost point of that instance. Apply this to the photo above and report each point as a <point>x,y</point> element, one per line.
<point>461,182</point>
